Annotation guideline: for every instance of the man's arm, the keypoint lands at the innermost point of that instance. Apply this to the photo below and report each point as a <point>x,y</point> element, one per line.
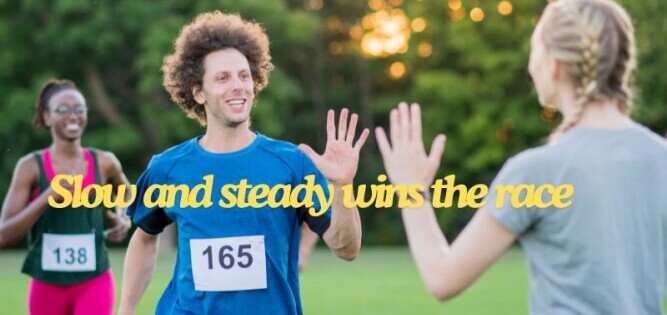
<point>339,164</point>
<point>137,270</point>
<point>343,236</point>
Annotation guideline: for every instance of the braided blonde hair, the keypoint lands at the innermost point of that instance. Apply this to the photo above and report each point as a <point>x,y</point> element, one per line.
<point>594,42</point>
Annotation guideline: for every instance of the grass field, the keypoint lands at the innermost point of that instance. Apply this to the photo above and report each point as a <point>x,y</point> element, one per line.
<point>380,281</point>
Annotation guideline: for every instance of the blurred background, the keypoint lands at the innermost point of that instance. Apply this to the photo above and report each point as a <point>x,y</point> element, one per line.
<point>464,61</point>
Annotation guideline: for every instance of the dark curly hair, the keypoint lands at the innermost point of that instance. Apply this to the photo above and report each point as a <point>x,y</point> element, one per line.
<point>210,32</point>
<point>50,88</point>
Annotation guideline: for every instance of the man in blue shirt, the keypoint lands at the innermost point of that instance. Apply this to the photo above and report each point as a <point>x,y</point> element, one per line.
<point>232,258</point>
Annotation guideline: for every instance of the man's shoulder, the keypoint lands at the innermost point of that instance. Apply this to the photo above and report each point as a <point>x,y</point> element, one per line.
<point>170,155</point>
<point>280,147</point>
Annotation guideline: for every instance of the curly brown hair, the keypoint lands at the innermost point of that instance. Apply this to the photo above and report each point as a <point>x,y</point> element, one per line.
<point>207,33</point>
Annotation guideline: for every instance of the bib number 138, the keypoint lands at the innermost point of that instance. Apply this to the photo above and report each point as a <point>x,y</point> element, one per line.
<point>71,255</point>
<point>68,253</point>
<point>228,264</point>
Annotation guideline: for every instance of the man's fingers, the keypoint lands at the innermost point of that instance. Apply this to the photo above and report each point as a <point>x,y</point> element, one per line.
<point>331,128</point>
<point>362,139</point>
<point>352,129</point>
<point>342,124</point>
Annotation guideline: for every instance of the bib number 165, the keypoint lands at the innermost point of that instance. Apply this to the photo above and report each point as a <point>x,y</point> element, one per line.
<point>226,257</point>
<point>228,263</point>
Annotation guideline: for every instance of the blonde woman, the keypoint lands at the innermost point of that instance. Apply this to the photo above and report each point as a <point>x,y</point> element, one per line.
<point>606,252</point>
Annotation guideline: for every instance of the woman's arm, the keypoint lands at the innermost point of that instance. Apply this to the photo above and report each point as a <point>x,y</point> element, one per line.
<point>445,269</point>
<point>113,174</point>
<point>18,213</point>
<point>448,269</point>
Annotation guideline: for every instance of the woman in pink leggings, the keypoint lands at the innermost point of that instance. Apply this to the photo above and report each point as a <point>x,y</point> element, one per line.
<point>67,258</point>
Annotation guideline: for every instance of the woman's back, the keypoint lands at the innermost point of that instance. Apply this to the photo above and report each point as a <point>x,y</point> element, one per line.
<point>606,253</point>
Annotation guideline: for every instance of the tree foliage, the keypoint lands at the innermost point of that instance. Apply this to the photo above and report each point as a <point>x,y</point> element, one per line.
<point>473,86</point>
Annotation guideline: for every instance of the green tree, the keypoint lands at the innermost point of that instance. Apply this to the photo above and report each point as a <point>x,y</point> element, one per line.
<point>473,85</point>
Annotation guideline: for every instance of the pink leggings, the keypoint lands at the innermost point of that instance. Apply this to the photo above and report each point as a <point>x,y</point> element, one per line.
<point>94,296</point>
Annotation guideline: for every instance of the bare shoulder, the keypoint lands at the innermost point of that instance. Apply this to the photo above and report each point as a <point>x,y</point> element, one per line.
<point>24,179</point>
<point>26,176</point>
<point>26,169</point>
<point>109,163</point>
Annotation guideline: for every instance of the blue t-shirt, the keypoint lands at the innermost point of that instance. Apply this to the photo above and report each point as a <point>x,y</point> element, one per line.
<point>264,161</point>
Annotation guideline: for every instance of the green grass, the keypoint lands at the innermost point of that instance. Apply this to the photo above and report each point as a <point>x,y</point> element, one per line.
<point>386,281</point>
<point>381,281</point>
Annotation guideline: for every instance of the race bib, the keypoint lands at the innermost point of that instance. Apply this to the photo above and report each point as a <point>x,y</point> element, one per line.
<point>229,263</point>
<point>69,253</point>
